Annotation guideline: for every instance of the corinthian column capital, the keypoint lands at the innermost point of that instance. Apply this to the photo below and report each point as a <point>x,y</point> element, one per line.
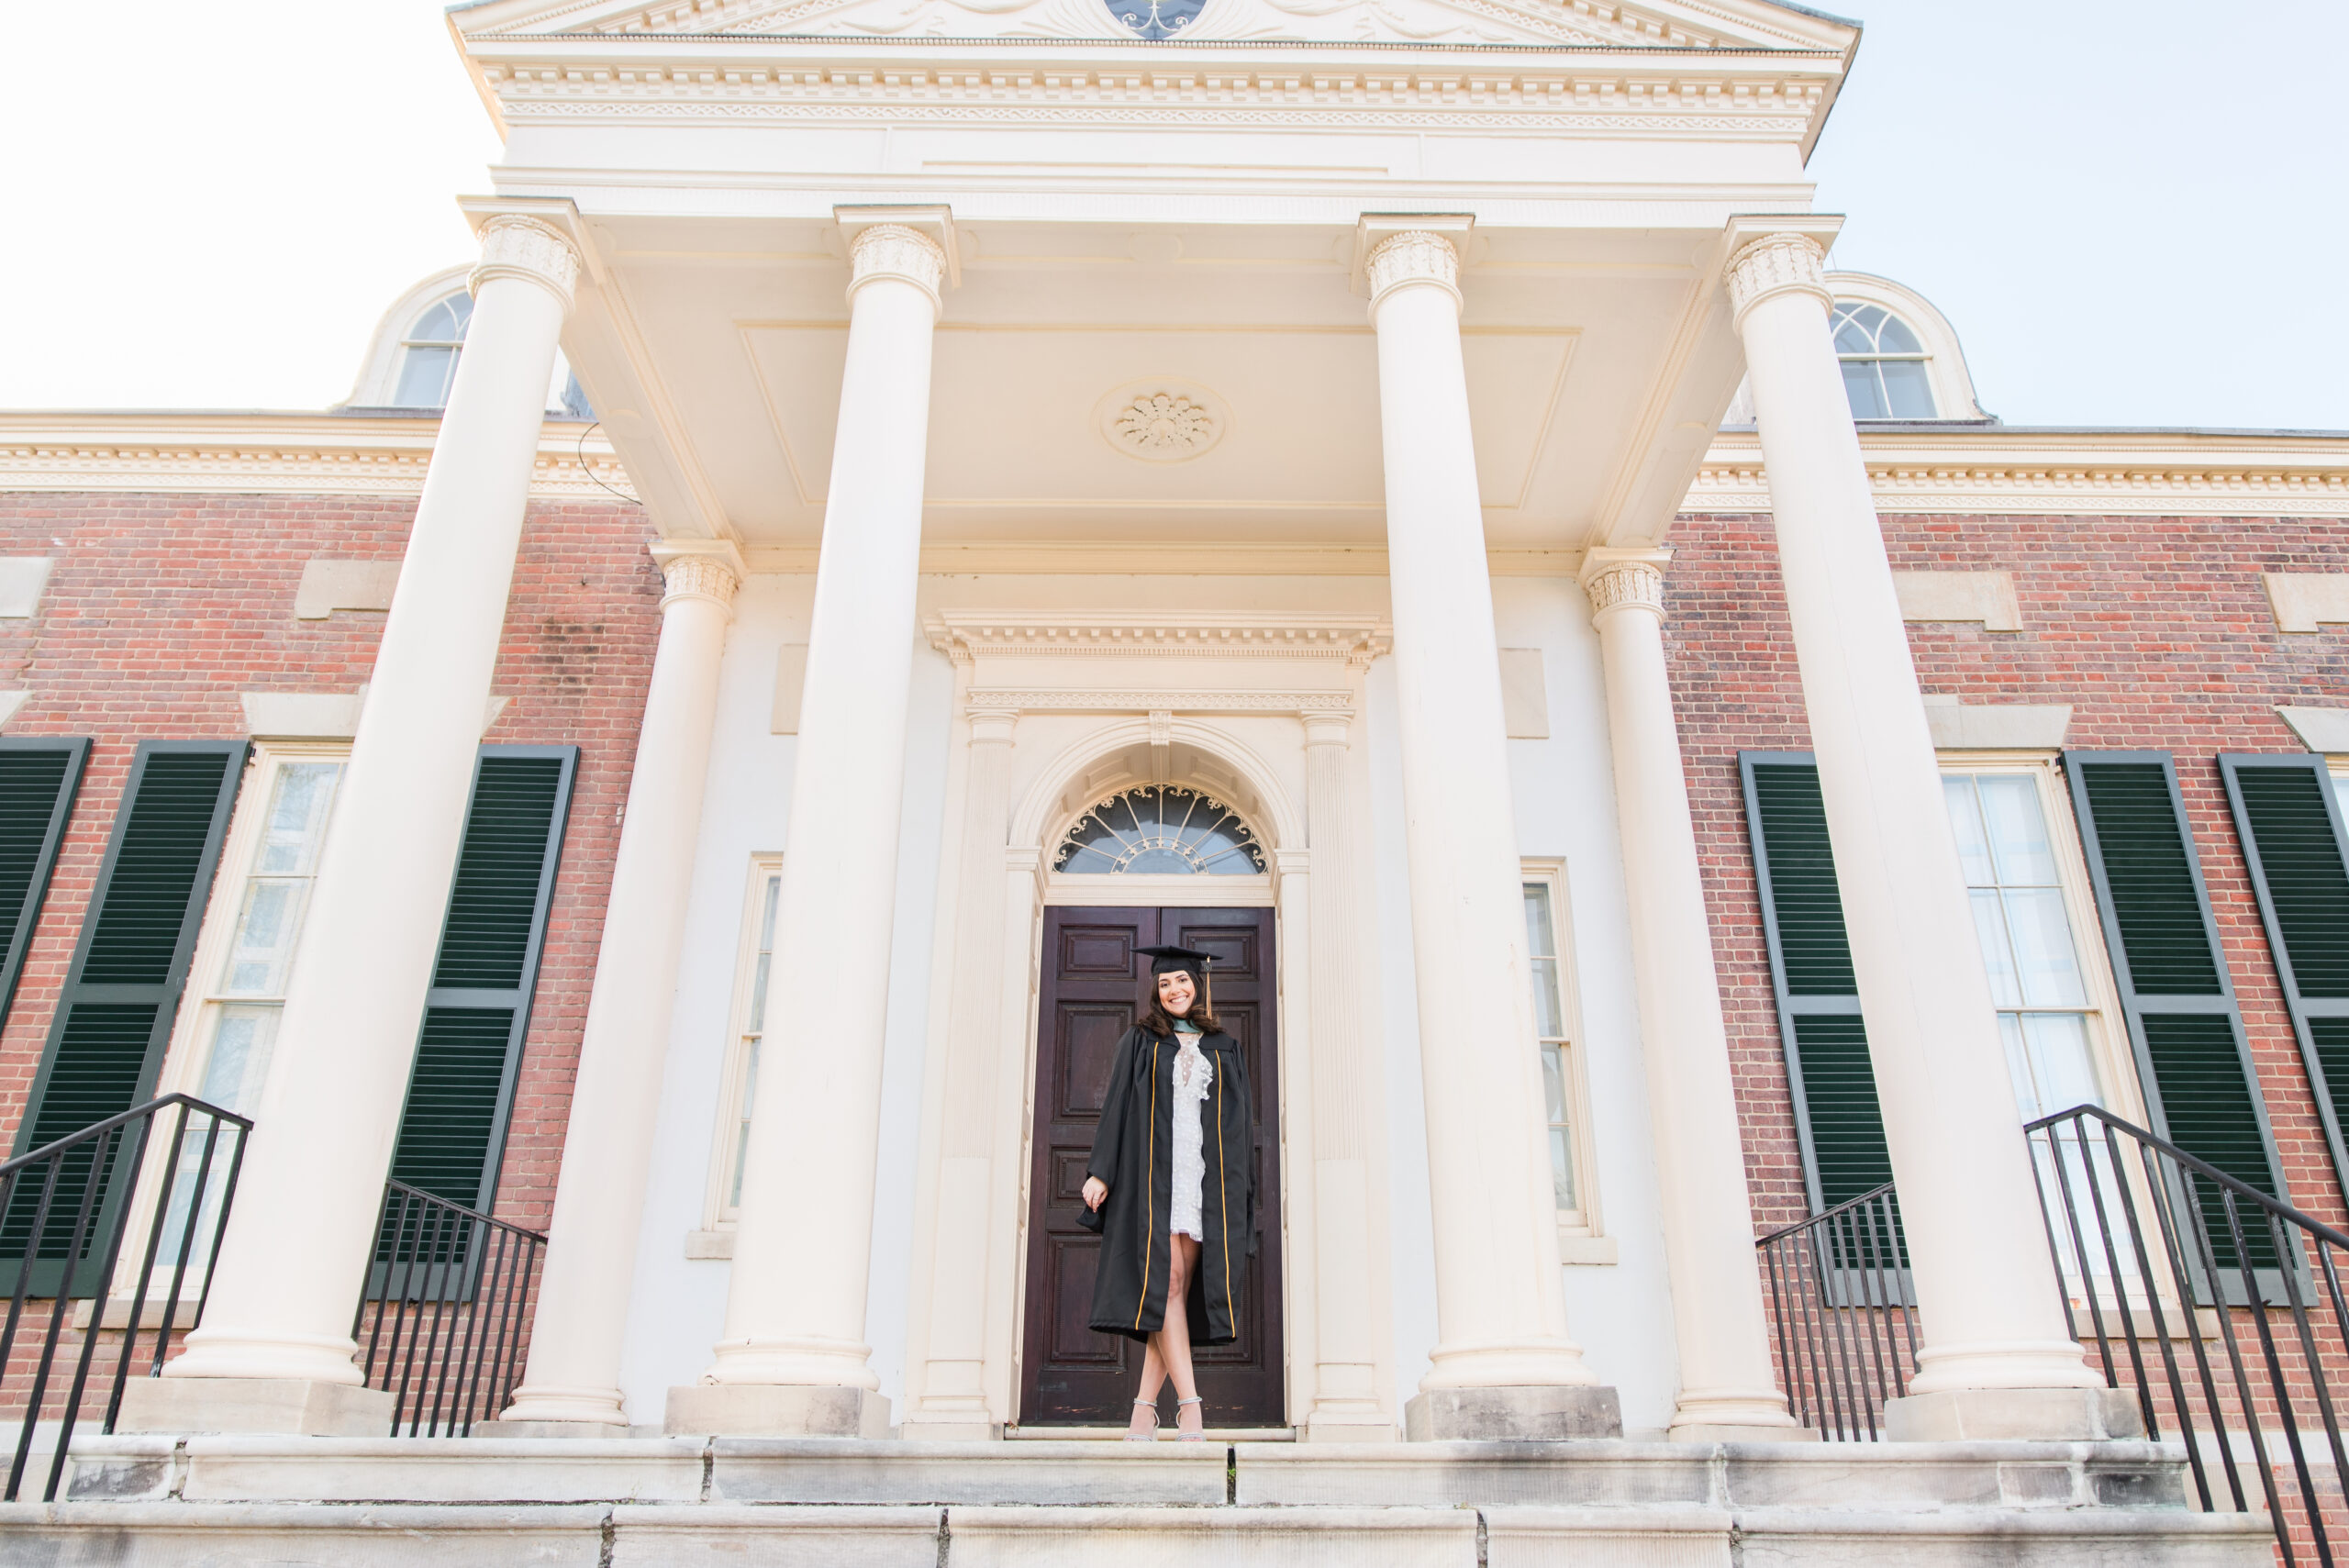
<point>896,250</point>
<point>513,246</point>
<point>1775,265</point>
<point>1414,256</point>
<point>709,570</point>
<point>1621,579</point>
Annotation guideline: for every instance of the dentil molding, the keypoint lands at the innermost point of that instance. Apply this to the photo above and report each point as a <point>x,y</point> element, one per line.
<point>966,636</point>
<point>1155,701</point>
<point>273,454</point>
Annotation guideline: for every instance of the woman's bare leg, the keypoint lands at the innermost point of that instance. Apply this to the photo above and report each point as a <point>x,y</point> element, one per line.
<point>1145,1417</point>
<point>1174,1340</point>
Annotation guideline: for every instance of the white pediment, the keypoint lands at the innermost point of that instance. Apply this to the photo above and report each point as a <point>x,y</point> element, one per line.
<point>1744,25</point>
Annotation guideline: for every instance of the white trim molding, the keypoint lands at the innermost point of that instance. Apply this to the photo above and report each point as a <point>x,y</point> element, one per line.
<point>1984,596</point>
<point>292,454</point>
<point>2124,473</point>
<point>966,636</point>
<point>2308,601</point>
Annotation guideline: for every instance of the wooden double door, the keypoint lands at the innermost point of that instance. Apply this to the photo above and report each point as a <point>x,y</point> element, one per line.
<point>1094,984</point>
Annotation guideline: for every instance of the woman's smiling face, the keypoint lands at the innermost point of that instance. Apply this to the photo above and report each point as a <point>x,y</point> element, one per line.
<point>1175,992</point>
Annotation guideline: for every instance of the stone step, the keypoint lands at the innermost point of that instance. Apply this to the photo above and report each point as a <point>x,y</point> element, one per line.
<point>847,1472</point>
<point>705,1535</point>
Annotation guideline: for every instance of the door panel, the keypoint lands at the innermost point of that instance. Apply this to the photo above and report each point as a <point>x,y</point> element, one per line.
<point>1093,987</point>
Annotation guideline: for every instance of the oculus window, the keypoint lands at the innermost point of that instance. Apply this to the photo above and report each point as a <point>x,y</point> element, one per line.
<point>1885,371</point>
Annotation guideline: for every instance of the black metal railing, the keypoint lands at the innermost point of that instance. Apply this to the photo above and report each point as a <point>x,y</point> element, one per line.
<point>2219,1306</point>
<point>1846,1316</point>
<point>66,1211</point>
<point>446,1312</point>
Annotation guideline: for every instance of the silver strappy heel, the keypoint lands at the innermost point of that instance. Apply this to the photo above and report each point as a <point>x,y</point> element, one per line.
<point>1191,1437</point>
<point>1150,1436</point>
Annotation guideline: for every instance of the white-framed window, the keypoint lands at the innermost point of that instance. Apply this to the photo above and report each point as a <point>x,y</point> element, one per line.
<point>226,1030</point>
<point>1884,369</point>
<point>1558,1037</point>
<point>2032,919</point>
<point>2059,1016</point>
<point>428,351</point>
<point>745,1032</point>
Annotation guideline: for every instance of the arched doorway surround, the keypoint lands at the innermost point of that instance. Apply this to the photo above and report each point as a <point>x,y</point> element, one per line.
<point>1261,713</point>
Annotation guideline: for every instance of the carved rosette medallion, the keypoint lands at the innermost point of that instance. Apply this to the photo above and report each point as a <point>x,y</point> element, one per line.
<point>705,577</point>
<point>1625,584</point>
<point>1775,265</point>
<point>513,246</point>
<point>1414,256</point>
<point>1162,420</point>
<point>894,250</point>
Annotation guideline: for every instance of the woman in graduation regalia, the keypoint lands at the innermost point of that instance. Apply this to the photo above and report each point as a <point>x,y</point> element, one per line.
<point>1171,1189</point>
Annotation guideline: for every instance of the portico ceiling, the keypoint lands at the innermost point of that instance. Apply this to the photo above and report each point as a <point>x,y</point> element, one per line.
<point>1134,235</point>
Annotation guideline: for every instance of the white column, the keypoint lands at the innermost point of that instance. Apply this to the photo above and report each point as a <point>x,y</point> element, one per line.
<point>1503,1365</point>
<point>1987,1302</point>
<point>299,1237</point>
<point>1345,1073</point>
<point>793,1356</point>
<point>953,1400</point>
<point>574,1365</point>
<point>1727,1390</point>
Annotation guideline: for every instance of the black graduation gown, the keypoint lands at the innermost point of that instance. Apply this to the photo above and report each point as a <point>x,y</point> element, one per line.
<point>1133,1153</point>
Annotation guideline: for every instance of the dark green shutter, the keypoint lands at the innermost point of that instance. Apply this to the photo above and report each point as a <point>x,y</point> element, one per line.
<point>2193,1061</point>
<point>1837,1120</point>
<point>114,1015</point>
<point>2290,820</point>
<point>37,781</point>
<point>452,1131</point>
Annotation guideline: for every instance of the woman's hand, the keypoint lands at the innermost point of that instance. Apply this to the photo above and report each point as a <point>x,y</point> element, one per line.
<point>1095,1189</point>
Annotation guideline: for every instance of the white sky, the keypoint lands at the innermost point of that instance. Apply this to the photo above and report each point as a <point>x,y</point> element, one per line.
<point>2134,214</point>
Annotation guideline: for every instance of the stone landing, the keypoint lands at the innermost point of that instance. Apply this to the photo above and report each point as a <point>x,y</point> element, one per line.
<point>147,1502</point>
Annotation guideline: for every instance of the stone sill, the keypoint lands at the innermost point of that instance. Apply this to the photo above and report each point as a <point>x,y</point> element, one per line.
<point>1576,1249</point>
<point>715,1244</point>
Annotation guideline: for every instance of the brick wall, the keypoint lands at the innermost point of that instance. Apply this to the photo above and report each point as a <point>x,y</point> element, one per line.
<point>162,608</point>
<point>2156,630</point>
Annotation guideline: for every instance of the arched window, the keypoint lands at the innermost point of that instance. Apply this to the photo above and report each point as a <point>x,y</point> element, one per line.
<point>1885,371</point>
<point>429,352</point>
<point>1161,829</point>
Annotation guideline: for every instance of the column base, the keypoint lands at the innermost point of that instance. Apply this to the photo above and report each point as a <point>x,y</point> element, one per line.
<point>294,1406</point>
<point>1526,1413</point>
<point>775,1410</point>
<point>2035,1415</point>
<point>1730,1432</point>
<point>602,1430</point>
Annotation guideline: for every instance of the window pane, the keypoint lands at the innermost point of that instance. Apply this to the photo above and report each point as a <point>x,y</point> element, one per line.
<point>2057,1044</point>
<point>267,925</point>
<point>297,818</point>
<point>1856,334</point>
<point>1549,1017</point>
<point>742,1123</point>
<point>1562,1169</point>
<point>1893,336</point>
<point>2043,944</point>
<point>1909,388</point>
<point>1538,938</point>
<point>1973,839</point>
<point>2017,830</point>
<point>1998,958</point>
<point>1164,829</point>
<point>424,378</point>
<point>2019,1071</point>
<point>1862,387</point>
<point>440,323</point>
<point>1554,1083</point>
<point>242,1044</point>
<point>758,1017</point>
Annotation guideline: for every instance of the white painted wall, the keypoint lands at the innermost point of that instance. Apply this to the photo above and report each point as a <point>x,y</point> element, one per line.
<point>677,1308</point>
<point>1565,807</point>
<point>1565,799</point>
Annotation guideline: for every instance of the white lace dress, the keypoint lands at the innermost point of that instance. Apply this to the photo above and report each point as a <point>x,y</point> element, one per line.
<point>1193,1073</point>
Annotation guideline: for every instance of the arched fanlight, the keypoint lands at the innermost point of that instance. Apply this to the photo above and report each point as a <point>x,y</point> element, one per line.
<point>1160,829</point>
